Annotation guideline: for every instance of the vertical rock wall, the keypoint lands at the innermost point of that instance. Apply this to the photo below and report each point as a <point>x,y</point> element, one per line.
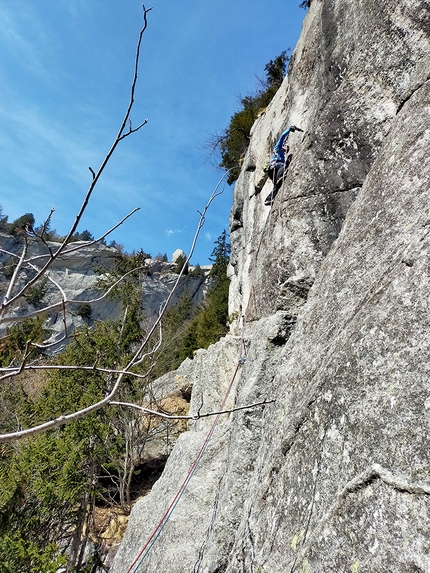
<point>333,474</point>
<point>356,63</point>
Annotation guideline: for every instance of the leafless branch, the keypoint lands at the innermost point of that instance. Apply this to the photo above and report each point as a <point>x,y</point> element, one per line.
<point>197,416</point>
<point>136,359</point>
<point>68,302</point>
<point>15,370</point>
<point>8,301</point>
<point>63,251</point>
<point>200,224</point>
<point>8,295</point>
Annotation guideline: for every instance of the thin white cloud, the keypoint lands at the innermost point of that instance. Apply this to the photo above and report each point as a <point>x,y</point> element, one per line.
<point>170,232</point>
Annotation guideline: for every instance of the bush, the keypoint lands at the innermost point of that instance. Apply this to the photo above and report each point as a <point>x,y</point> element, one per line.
<point>35,294</point>
<point>160,257</point>
<point>84,236</point>
<point>27,557</point>
<point>84,310</point>
<point>197,271</point>
<point>3,221</point>
<point>180,261</point>
<point>14,345</point>
<point>25,222</point>
<point>210,324</point>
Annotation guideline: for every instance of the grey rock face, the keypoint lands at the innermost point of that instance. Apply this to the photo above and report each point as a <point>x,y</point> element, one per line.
<point>342,477</point>
<point>332,476</point>
<point>354,67</point>
<point>179,253</point>
<point>157,287</point>
<point>76,273</point>
<point>218,364</point>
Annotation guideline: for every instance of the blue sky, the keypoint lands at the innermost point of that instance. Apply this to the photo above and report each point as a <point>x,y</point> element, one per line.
<point>65,75</point>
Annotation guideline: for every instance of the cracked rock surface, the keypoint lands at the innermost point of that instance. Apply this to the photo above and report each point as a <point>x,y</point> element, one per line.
<point>334,475</point>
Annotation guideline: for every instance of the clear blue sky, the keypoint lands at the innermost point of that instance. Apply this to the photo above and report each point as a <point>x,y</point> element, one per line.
<point>65,74</point>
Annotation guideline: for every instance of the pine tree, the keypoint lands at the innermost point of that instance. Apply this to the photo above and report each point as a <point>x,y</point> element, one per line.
<point>211,322</point>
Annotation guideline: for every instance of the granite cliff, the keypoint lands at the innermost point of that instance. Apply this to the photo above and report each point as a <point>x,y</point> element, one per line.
<point>78,273</point>
<point>331,292</point>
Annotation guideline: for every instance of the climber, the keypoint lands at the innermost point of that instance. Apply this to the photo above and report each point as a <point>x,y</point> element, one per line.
<point>278,166</point>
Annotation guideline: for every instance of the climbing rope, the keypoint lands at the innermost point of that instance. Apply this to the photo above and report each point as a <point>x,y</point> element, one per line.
<point>163,521</point>
<point>167,514</point>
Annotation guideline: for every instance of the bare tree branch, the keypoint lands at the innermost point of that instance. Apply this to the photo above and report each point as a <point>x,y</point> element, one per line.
<point>197,416</point>
<point>68,302</point>
<point>15,370</point>
<point>7,296</point>
<point>135,360</point>
<point>63,251</point>
<point>7,302</point>
<point>81,245</point>
<point>215,193</point>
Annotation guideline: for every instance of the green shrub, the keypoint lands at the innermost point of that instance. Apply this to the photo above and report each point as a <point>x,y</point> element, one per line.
<point>84,310</point>
<point>175,322</point>
<point>180,261</point>
<point>128,292</point>
<point>25,556</point>
<point>14,345</point>
<point>24,222</point>
<point>49,483</point>
<point>210,323</point>
<point>35,294</point>
<point>197,271</point>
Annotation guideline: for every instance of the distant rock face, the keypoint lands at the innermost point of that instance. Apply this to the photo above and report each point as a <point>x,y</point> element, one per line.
<point>179,253</point>
<point>157,285</point>
<point>77,274</point>
<point>333,475</point>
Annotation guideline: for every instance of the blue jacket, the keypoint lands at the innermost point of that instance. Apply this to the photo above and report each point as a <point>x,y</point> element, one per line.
<point>278,151</point>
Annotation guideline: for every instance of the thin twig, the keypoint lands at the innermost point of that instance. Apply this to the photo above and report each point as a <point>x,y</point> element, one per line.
<point>97,175</point>
<point>197,416</point>
<point>137,358</point>
<point>7,296</point>
<point>18,369</point>
<point>61,420</point>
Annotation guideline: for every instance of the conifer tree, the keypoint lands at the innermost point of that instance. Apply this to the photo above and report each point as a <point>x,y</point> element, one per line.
<point>211,322</point>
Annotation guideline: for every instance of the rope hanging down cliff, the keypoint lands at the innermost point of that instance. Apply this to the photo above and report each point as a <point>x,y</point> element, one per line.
<point>278,178</point>
<point>167,514</point>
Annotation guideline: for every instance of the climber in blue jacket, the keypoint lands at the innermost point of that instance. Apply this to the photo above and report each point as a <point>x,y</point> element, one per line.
<point>279,163</point>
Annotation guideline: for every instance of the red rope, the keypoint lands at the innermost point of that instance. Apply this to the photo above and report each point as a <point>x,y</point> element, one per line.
<point>160,525</point>
<point>145,549</point>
